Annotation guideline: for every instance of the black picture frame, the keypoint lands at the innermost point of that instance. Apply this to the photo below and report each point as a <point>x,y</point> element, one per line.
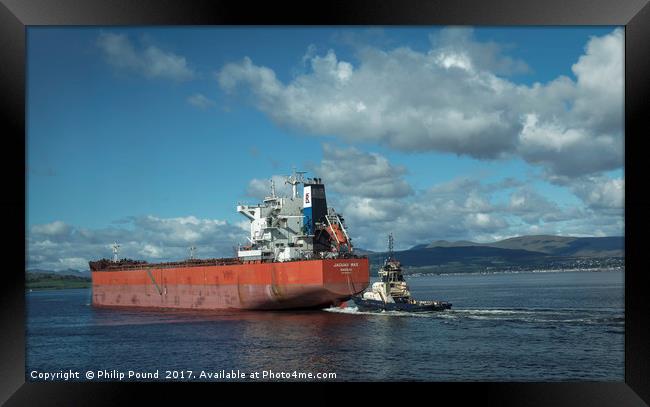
<point>16,15</point>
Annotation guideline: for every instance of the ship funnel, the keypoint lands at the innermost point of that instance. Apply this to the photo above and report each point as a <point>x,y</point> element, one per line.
<point>314,205</point>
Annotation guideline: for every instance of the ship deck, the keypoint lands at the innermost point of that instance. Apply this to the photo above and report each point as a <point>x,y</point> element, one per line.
<point>127,264</point>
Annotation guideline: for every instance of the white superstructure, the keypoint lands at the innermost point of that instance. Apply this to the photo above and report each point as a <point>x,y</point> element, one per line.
<point>294,227</point>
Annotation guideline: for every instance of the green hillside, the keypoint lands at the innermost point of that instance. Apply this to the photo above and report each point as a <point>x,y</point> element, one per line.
<point>613,246</point>
<point>516,254</point>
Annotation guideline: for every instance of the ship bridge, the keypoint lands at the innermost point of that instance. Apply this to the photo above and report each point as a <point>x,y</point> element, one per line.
<point>294,227</point>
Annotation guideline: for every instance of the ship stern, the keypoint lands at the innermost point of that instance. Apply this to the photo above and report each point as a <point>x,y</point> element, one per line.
<point>347,277</point>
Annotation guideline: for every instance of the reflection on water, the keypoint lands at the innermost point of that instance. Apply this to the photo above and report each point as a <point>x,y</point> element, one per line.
<point>558,326</point>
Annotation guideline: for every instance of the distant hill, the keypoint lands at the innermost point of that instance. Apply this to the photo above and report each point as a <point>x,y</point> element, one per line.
<point>519,253</point>
<point>556,245</point>
<point>444,243</point>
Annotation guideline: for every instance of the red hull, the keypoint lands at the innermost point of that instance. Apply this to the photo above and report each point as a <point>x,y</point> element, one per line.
<point>297,284</point>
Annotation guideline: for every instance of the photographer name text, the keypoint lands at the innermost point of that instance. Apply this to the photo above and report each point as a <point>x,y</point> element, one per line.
<point>120,375</point>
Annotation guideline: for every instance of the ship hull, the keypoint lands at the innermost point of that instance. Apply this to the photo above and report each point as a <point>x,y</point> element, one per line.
<point>254,286</point>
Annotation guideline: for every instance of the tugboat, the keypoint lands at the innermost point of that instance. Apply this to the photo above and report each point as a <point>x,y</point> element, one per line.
<point>392,293</point>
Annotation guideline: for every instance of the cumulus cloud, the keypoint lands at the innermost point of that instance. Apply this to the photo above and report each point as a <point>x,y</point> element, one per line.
<point>57,246</point>
<point>484,221</point>
<point>453,98</point>
<point>149,61</point>
<point>533,208</point>
<point>261,188</point>
<point>597,192</point>
<point>52,230</point>
<point>466,208</point>
<point>416,222</point>
<point>353,172</point>
<point>200,101</point>
<point>447,210</point>
<point>456,47</point>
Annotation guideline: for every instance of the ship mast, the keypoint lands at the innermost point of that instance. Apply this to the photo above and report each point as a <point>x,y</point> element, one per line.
<point>295,179</point>
<point>116,249</point>
<point>273,189</point>
<point>390,246</point>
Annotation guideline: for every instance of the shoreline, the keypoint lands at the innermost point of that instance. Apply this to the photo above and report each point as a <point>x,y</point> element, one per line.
<point>474,273</point>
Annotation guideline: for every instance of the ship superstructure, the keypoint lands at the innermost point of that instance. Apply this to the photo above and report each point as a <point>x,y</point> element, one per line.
<point>295,227</point>
<point>298,255</point>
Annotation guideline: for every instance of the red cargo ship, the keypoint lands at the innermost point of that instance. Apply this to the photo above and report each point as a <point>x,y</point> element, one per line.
<point>300,256</point>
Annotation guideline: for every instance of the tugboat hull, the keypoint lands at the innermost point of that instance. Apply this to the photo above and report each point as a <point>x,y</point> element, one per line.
<point>417,306</point>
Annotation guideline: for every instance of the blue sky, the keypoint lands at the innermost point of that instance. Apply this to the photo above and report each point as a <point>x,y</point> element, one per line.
<point>152,135</point>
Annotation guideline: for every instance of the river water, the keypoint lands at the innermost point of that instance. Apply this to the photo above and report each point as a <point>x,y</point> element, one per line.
<point>544,326</point>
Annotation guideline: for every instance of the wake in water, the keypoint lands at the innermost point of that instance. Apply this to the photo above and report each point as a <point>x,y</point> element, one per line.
<point>525,315</point>
<point>355,311</point>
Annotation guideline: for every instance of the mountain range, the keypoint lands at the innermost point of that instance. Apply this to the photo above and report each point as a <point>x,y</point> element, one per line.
<point>517,253</point>
<point>556,245</point>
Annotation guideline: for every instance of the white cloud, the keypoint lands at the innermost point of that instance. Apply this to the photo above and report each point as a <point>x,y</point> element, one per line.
<point>468,209</point>
<point>353,172</point>
<point>452,99</point>
<point>149,61</point>
<point>533,208</point>
<point>456,47</point>
<point>484,222</point>
<point>600,192</point>
<point>151,251</point>
<point>54,229</point>
<point>149,237</point>
<point>261,188</point>
<point>75,263</point>
<point>200,101</point>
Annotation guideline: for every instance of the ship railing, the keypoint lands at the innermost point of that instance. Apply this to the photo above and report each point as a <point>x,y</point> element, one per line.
<point>168,265</point>
<point>203,262</point>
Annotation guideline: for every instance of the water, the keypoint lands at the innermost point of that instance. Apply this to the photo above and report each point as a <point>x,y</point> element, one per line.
<point>555,326</point>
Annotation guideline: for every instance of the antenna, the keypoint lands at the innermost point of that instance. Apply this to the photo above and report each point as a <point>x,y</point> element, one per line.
<point>192,249</point>
<point>116,250</point>
<point>390,245</point>
<point>272,188</point>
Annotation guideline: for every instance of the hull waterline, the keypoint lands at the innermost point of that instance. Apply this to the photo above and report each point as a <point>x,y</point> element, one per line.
<point>373,305</point>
